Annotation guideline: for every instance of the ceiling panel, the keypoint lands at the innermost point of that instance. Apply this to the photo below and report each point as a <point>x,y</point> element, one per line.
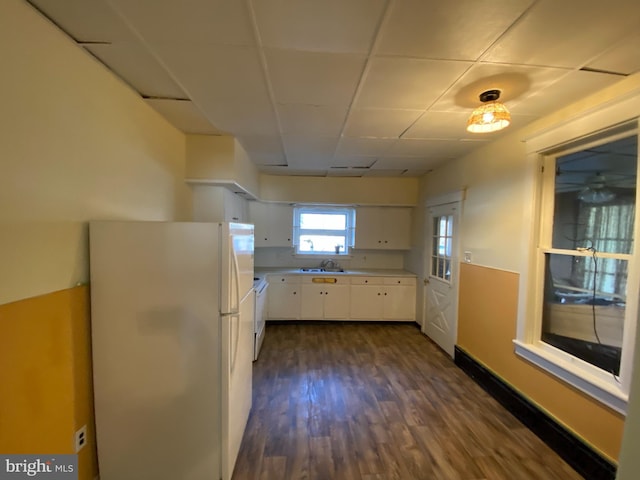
<point>346,172</point>
<point>183,115</point>
<point>455,29</point>
<point>379,122</point>
<point>235,98</point>
<point>567,33</point>
<point>311,119</point>
<point>449,125</point>
<point>514,82</point>
<point>568,89</point>
<point>133,62</point>
<point>406,163</point>
<point>314,78</point>
<point>339,26</point>
<point>622,58</point>
<point>188,21</point>
<point>86,21</point>
<point>355,146</point>
<point>431,148</point>
<point>407,83</point>
<point>316,84</point>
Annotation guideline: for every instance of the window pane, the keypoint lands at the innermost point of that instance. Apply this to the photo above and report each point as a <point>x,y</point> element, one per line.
<point>323,221</point>
<point>595,195</point>
<point>322,243</point>
<point>584,307</point>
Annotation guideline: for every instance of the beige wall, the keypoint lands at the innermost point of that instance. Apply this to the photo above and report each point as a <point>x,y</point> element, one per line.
<point>339,190</point>
<point>496,227</point>
<point>75,144</point>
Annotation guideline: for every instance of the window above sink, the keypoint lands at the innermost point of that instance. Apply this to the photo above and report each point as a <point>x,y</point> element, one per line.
<point>323,230</point>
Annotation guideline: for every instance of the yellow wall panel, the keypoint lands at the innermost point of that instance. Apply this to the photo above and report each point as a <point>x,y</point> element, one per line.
<point>45,378</point>
<point>486,327</point>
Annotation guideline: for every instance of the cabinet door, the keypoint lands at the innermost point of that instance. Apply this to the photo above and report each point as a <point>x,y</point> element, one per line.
<point>396,223</point>
<point>366,302</point>
<point>273,224</point>
<point>383,228</point>
<point>399,302</point>
<point>368,228</point>
<point>312,307</point>
<point>336,301</point>
<point>284,299</point>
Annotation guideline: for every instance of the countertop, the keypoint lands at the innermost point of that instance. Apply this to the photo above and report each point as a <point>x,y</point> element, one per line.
<point>262,272</point>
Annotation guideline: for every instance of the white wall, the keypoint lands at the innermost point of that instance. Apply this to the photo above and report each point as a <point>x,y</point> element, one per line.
<point>75,144</point>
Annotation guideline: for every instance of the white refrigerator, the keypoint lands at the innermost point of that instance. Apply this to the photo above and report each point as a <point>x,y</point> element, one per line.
<point>172,340</point>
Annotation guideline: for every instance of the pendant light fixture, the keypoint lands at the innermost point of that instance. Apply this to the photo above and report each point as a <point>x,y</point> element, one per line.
<point>491,116</point>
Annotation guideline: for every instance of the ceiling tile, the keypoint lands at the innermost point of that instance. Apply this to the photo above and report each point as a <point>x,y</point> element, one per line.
<point>567,33</point>
<point>132,62</point>
<point>337,26</point>
<point>568,89</point>
<point>345,172</point>
<point>407,83</point>
<point>299,146</point>
<point>378,122</point>
<point>183,115</point>
<point>406,163</point>
<point>440,125</point>
<point>354,161</point>
<point>262,144</point>
<point>432,148</point>
<point>455,29</point>
<point>85,21</point>
<point>188,21</point>
<point>314,78</point>
<point>235,98</point>
<point>271,159</point>
<point>385,172</point>
<point>356,146</point>
<point>311,119</point>
<point>622,58</point>
<point>514,82</point>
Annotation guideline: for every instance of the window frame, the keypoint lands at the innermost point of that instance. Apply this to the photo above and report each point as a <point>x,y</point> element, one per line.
<point>601,385</point>
<point>348,211</point>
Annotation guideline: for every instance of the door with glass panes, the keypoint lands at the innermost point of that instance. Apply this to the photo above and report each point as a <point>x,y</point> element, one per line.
<point>441,282</point>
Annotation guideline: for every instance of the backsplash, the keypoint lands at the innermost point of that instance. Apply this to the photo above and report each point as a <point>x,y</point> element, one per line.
<point>284,257</point>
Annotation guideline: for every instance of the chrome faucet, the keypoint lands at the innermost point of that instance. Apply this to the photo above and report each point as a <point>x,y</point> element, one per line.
<point>328,263</point>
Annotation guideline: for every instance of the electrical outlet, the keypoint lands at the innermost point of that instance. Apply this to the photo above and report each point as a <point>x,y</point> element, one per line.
<point>467,257</point>
<point>81,438</point>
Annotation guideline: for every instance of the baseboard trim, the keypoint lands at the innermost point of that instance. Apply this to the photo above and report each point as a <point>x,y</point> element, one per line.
<point>582,458</point>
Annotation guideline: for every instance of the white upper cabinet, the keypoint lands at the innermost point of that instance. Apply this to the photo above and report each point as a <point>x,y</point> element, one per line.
<point>386,228</point>
<point>273,224</point>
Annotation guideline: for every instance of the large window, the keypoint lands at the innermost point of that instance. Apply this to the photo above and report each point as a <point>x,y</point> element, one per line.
<point>587,266</point>
<point>323,230</point>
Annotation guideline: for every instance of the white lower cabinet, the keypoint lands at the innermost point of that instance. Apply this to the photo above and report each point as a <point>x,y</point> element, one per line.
<point>325,298</point>
<point>284,298</point>
<point>344,297</point>
<point>383,298</point>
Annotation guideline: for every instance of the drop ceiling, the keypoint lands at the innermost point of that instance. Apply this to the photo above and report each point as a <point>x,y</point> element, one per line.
<point>353,87</point>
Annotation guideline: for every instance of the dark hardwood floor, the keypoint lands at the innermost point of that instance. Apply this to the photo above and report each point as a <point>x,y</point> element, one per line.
<point>378,401</point>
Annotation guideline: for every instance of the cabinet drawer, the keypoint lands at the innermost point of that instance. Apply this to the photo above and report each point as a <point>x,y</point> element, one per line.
<point>367,280</point>
<point>276,279</point>
<point>409,281</point>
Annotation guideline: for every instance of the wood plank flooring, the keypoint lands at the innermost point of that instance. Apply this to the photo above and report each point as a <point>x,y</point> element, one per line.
<point>365,401</point>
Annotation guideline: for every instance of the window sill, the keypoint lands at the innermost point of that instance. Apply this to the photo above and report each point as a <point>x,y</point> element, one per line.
<point>604,389</point>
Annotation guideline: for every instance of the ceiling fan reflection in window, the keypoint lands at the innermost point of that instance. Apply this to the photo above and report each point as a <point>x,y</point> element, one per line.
<point>594,187</point>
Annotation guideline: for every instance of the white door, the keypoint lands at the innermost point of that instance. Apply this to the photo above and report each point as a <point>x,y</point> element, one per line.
<point>441,276</point>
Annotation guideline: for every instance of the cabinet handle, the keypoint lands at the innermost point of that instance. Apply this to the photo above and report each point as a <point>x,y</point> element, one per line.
<point>385,294</point>
<point>295,293</point>
<point>378,293</point>
<point>398,281</point>
<point>320,293</point>
<point>366,281</point>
